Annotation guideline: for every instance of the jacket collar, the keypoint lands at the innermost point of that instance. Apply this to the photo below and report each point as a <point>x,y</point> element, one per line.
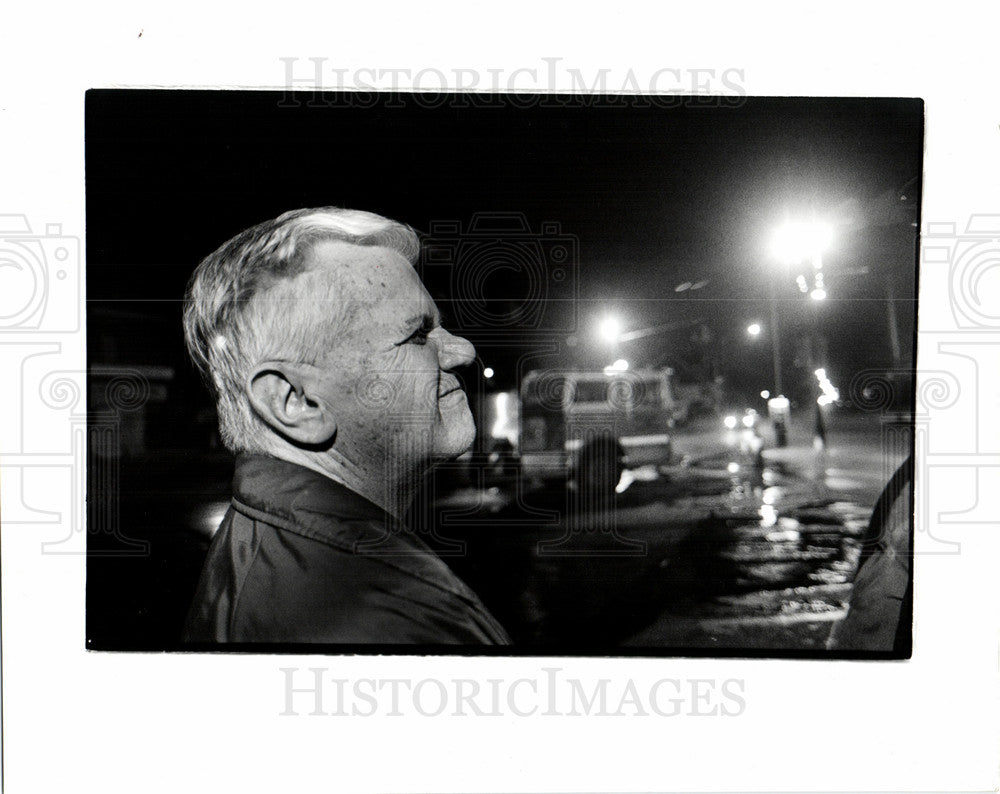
<point>307,503</point>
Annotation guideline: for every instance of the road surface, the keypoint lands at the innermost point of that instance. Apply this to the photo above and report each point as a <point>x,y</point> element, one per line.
<point>716,550</point>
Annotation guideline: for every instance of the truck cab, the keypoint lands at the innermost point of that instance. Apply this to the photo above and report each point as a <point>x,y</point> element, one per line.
<point>566,415</point>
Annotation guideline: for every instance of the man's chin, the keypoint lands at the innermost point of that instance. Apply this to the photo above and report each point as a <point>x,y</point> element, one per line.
<point>455,440</point>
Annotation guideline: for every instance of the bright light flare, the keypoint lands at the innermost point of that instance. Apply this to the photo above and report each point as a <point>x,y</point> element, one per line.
<point>621,365</point>
<point>799,240</point>
<point>207,518</point>
<point>730,422</point>
<point>818,294</point>
<point>610,329</point>
<point>505,409</point>
<point>828,392</point>
<point>488,373</point>
<point>500,401</point>
<point>779,403</point>
<point>754,329</point>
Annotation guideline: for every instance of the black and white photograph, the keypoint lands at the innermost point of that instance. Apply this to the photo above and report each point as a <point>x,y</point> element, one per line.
<point>501,373</point>
<point>541,397</point>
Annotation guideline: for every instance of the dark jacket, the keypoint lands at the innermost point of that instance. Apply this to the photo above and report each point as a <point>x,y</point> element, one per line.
<point>300,558</point>
<point>880,615</point>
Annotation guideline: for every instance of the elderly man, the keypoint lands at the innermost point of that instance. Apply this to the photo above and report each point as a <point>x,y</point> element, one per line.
<point>334,384</point>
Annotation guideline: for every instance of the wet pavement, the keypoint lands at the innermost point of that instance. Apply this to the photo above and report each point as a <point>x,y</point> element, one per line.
<point>720,549</point>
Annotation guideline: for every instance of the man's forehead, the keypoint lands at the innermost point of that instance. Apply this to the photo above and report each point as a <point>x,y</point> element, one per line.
<point>339,256</point>
<point>372,273</point>
<point>373,285</point>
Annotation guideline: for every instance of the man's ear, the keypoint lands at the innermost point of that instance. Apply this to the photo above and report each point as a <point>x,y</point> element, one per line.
<point>282,394</point>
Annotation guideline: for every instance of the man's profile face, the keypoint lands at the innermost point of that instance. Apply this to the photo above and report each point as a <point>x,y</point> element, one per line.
<point>389,380</point>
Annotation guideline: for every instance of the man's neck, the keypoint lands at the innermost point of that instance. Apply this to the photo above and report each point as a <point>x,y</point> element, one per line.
<point>388,484</point>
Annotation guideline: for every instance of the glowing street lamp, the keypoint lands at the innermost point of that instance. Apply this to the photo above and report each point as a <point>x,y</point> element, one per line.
<point>796,241</point>
<point>610,329</point>
<point>754,329</point>
<point>793,243</point>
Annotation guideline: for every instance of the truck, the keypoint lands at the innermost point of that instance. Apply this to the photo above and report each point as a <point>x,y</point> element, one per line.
<point>588,425</point>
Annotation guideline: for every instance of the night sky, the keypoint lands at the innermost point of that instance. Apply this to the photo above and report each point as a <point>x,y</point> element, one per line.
<point>652,195</point>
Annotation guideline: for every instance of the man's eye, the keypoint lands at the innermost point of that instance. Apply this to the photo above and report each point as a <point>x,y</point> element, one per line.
<point>419,337</point>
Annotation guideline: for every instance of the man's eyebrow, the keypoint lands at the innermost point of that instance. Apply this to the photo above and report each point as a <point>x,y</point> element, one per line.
<point>417,321</point>
<point>425,317</point>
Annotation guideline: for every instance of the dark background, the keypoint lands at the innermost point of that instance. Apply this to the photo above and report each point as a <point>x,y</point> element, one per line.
<point>653,193</point>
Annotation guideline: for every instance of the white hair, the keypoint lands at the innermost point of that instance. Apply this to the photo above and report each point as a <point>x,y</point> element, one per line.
<point>229,327</point>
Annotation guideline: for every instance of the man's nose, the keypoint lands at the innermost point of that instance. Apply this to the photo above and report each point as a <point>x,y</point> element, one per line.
<point>454,351</point>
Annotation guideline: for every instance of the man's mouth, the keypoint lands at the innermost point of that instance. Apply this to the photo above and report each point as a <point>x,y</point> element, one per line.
<point>450,388</point>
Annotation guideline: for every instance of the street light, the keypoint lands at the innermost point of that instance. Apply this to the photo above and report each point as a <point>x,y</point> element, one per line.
<point>610,329</point>
<point>754,329</point>
<point>799,240</point>
<point>793,243</point>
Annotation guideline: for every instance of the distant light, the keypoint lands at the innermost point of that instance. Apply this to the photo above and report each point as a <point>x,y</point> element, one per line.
<point>683,287</point>
<point>753,329</point>
<point>503,417</point>
<point>730,421</point>
<point>828,392</point>
<point>818,294</point>
<point>801,281</point>
<point>765,394</point>
<point>488,373</point>
<point>699,284</point>
<point>782,535</point>
<point>768,515</point>
<point>207,518</point>
<point>779,403</point>
<point>621,365</point>
<point>733,468</point>
<point>610,329</point>
<point>748,420</point>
